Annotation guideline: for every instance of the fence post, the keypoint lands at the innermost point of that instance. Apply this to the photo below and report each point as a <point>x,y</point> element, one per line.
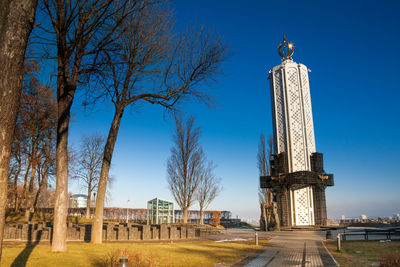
<point>338,245</point>
<point>123,262</point>
<point>256,239</point>
<point>328,234</point>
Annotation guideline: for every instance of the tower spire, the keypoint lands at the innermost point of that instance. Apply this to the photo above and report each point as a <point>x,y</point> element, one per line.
<point>286,49</point>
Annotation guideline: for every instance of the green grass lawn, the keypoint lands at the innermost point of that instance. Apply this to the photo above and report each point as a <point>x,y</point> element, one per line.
<point>364,253</point>
<point>198,253</point>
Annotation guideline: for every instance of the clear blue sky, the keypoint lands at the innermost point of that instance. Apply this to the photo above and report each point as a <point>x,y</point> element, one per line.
<point>351,48</point>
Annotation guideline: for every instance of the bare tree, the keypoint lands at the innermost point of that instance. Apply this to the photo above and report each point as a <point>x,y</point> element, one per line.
<point>82,30</point>
<point>36,124</point>
<point>16,167</point>
<point>16,23</point>
<point>208,189</point>
<point>46,168</point>
<point>32,138</point>
<point>151,64</point>
<point>186,164</point>
<point>263,156</point>
<point>265,194</point>
<point>87,169</point>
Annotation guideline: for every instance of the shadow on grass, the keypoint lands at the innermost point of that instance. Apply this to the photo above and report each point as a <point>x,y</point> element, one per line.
<point>23,257</point>
<point>214,252</point>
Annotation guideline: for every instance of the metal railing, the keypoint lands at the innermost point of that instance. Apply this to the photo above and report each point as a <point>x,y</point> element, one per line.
<point>388,233</point>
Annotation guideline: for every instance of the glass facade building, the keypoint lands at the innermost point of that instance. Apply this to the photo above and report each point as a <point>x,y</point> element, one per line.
<point>78,201</point>
<point>160,211</point>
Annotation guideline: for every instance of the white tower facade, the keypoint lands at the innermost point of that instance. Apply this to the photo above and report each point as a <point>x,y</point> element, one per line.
<point>292,114</point>
<point>294,128</point>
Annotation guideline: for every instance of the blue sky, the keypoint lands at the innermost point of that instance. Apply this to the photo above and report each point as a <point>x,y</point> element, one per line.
<point>351,48</point>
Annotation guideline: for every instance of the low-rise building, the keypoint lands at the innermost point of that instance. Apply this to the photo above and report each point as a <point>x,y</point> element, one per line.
<point>160,211</point>
<point>78,201</point>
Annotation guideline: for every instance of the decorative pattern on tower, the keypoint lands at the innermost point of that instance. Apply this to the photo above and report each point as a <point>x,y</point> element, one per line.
<point>297,178</point>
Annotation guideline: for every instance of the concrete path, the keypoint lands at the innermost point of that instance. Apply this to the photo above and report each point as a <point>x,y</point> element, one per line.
<point>295,248</point>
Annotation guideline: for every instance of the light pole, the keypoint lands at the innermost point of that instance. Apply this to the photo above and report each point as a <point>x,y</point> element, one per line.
<point>127,207</point>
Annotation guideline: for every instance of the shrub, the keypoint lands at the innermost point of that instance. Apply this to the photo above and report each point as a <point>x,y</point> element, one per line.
<point>135,259</point>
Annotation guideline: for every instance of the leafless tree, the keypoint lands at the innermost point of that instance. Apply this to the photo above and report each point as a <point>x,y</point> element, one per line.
<point>265,194</point>
<point>16,167</point>
<point>16,23</point>
<point>208,189</point>
<point>33,139</point>
<point>37,117</point>
<point>186,164</point>
<point>82,29</point>
<point>46,169</point>
<point>263,155</point>
<point>150,63</point>
<point>88,165</point>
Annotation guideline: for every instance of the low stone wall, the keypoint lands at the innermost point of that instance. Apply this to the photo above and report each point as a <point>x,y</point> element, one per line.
<point>41,231</point>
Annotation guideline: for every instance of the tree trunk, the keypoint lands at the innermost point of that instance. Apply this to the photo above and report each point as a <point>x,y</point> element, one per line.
<point>265,212</point>
<point>42,188</point>
<point>97,228</point>
<point>15,185</point>
<point>185,214</point>
<point>65,95</point>
<point>16,23</point>
<point>201,215</point>
<point>88,201</point>
<point>276,216</point>
<point>45,179</point>
<point>28,202</point>
<point>268,208</point>
<point>264,220</point>
<point>22,199</point>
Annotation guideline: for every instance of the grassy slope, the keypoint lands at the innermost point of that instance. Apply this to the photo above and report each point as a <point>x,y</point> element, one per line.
<point>362,253</point>
<point>203,253</point>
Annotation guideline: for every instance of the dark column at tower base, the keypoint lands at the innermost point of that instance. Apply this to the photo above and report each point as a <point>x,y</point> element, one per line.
<point>282,183</point>
<point>283,201</point>
<point>320,206</point>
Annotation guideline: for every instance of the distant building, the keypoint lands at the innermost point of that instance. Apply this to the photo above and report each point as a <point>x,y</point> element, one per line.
<point>364,217</point>
<point>160,211</point>
<point>343,217</point>
<point>78,201</point>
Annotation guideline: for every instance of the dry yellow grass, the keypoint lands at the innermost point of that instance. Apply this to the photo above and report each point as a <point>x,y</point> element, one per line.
<point>200,253</point>
<point>362,253</point>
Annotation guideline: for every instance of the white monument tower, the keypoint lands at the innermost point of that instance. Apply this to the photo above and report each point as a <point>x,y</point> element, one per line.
<point>296,162</point>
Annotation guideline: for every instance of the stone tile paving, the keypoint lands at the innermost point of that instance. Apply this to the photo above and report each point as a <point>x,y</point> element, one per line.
<point>297,248</point>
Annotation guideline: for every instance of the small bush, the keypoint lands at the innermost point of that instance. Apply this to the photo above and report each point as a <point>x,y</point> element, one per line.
<point>391,260</point>
<point>134,259</point>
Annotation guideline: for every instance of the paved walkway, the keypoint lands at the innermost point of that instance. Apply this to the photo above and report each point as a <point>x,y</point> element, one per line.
<point>297,248</point>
